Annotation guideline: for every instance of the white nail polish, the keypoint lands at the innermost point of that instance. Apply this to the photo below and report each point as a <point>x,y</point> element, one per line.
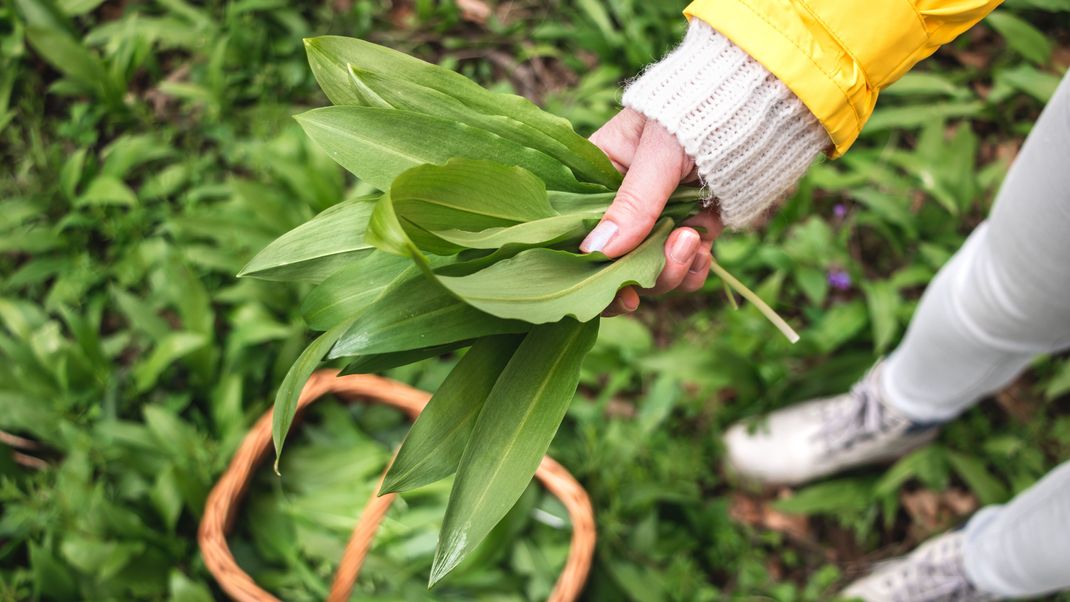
<point>599,237</point>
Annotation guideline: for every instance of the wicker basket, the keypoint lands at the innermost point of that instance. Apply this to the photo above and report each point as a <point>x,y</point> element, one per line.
<point>224,500</point>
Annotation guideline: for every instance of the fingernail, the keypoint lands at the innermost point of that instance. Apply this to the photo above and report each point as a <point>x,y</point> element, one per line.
<point>599,237</point>
<point>683,249</point>
<point>630,304</point>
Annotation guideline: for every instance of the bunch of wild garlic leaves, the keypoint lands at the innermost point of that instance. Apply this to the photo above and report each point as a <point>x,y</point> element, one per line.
<point>472,243</point>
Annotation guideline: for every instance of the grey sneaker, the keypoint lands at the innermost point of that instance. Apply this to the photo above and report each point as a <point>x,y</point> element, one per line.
<point>817,438</point>
<point>931,573</point>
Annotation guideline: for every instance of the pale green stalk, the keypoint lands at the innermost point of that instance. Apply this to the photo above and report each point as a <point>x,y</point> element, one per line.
<point>749,295</point>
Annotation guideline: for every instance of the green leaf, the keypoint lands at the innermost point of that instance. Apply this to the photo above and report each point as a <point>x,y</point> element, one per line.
<point>316,249</point>
<point>131,150</point>
<point>545,231</point>
<point>78,7</point>
<point>282,416</point>
<point>102,559</point>
<point>469,195</point>
<point>333,58</point>
<point>830,497</point>
<point>883,301</point>
<point>1020,36</point>
<point>921,83</point>
<point>927,460</point>
<point>75,61</point>
<point>586,160</point>
<point>365,95</point>
<point>107,190</point>
<point>415,314</point>
<point>140,316</point>
<point>462,194</point>
<point>544,285</point>
<point>512,432</point>
<point>434,445</point>
<point>347,293</point>
<point>183,589</point>
<point>169,350</point>
<point>1059,383</point>
<point>377,144</point>
<point>912,116</point>
<point>813,283</point>
<point>166,497</point>
<point>71,173</point>
<point>51,577</point>
<point>379,362</point>
<point>1038,84</point>
<point>988,488</point>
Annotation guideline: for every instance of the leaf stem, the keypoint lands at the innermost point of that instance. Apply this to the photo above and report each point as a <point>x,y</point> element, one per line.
<point>749,295</point>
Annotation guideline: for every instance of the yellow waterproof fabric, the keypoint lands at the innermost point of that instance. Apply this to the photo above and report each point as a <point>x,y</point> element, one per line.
<point>836,55</point>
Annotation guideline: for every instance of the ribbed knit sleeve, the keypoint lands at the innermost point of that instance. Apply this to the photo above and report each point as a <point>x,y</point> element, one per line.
<point>750,136</point>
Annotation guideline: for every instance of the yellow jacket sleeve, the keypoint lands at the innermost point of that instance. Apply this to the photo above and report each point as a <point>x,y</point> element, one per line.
<point>836,55</point>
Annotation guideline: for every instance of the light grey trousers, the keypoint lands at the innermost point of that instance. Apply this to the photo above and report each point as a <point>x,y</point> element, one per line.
<point>1003,299</point>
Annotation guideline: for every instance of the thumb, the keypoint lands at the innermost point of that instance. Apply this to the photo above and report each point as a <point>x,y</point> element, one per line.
<point>655,171</point>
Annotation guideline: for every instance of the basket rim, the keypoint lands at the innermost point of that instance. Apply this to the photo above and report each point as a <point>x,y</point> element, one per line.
<point>226,496</point>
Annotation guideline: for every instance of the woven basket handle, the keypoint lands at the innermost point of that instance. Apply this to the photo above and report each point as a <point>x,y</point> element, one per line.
<point>224,499</point>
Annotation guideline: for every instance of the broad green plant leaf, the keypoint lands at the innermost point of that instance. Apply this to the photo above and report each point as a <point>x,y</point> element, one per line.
<point>883,301</point>
<point>317,248</point>
<point>50,34</point>
<point>415,314</point>
<point>107,190</point>
<point>353,289</point>
<point>367,97</point>
<point>377,144</point>
<point>462,194</point>
<point>583,158</point>
<point>544,285</point>
<point>545,231</point>
<point>1021,36</point>
<point>434,445</point>
<point>282,416</point>
<point>469,195</point>
<point>512,432</point>
<point>333,59</point>
<point>378,362</point>
<point>169,350</point>
<point>988,488</point>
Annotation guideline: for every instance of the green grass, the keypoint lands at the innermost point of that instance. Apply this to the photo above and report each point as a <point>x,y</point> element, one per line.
<point>147,152</point>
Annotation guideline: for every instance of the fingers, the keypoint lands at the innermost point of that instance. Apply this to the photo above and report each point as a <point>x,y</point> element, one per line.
<point>619,137</point>
<point>654,165</point>
<point>656,169</point>
<point>626,301</point>
<point>708,224</point>
<point>687,263</point>
<point>697,273</point>
<point>681,248</point>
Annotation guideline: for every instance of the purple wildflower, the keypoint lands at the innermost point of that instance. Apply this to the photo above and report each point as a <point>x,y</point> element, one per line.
<point>839,279</point>
<point>840,211</point>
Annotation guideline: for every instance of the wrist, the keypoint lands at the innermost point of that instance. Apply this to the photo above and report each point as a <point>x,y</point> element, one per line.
<point>751,138</point>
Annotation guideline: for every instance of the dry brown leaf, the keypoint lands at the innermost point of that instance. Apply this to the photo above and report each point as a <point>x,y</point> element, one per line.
<point>932,511</point>
<point>959,502</point>
<point>1018,401</point>
<point>1061,56</point>
<point>923,506</point>
<point>760,513</point>
<point>620,408</point>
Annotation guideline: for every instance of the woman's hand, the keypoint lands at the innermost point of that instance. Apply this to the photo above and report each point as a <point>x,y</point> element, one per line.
<point>653,164</point>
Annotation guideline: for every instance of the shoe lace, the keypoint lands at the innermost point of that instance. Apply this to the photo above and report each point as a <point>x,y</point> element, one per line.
<point>935,574</point>
<point>861,416</point>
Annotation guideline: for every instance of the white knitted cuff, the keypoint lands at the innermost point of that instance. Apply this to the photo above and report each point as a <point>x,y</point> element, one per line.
<point>750,136</point>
